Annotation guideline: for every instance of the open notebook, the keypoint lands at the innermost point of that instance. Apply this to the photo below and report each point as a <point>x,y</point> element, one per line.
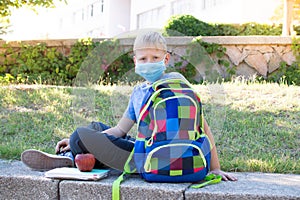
<point>75,174</point>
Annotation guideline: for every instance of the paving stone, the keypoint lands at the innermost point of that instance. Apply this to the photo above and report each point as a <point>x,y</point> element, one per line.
<point>251,186</point>
<point>132,188</point>
<point>19,182</point>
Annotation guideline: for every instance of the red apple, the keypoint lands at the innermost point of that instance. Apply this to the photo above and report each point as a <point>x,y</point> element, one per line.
<point>85,162</point>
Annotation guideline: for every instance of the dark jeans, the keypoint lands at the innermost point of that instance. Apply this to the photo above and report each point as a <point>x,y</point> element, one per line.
<point>121,143</point>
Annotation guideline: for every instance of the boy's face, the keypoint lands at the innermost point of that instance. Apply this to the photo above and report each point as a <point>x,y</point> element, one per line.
<point>150,55</point>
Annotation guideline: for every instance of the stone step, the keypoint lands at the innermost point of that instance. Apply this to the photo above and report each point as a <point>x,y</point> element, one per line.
<point>19,182</point>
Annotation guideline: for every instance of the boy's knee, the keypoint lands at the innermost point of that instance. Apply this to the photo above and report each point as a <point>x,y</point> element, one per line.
<point>76,145</point>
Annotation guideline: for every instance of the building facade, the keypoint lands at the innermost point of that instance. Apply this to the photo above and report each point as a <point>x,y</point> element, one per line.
<point>155,13</point>
<point>109,18</point>
<point>94,18</point>
<point>76,19</point>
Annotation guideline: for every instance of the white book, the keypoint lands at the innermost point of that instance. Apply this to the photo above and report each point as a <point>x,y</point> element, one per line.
<point>75,174</point>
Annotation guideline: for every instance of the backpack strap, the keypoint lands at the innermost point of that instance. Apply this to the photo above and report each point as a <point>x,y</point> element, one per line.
<point>116,187</point>
<point>170,83</point>
<point>209,179</point>
<point>120,179</point>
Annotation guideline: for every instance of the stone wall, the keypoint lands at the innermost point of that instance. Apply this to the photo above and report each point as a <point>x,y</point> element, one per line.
<point>260,55</point>
<point>249,55</point>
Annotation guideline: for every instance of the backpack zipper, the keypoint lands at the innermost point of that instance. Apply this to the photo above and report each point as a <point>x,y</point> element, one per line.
<point>147,165</point>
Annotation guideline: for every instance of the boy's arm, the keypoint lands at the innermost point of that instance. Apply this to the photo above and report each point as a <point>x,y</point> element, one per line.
<point>122,127</point>
<point>215,167</point>
<point>214,163</point>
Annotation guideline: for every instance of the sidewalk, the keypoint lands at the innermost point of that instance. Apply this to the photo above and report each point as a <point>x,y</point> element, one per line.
<point>19,182</point>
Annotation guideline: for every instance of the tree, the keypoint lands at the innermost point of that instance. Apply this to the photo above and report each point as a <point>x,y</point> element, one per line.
<point>7,5</point>
<point>288,13</point>
<point>287,25</point>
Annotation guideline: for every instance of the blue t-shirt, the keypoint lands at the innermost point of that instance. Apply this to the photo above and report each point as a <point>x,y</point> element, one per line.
<point>139,93</point>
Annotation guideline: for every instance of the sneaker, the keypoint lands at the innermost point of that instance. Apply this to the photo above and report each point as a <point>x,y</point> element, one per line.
<point>41,161</point>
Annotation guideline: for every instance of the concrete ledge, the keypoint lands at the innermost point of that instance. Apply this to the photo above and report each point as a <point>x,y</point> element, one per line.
<point>19,182</point>
<point>132,188</point>
<point>171,41</point>
<point>251,186</point>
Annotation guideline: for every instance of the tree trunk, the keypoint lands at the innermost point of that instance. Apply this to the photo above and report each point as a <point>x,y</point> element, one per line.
<point>287,26</point>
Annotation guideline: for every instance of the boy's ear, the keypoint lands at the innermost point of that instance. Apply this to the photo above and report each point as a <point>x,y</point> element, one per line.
<point>134,60</point>
<point>167,58</point>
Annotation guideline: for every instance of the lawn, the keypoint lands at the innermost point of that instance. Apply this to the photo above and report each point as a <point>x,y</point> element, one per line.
<point>256,126</point>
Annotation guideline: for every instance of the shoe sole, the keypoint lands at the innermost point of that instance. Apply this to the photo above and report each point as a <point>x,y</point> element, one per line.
<point>40,161</point>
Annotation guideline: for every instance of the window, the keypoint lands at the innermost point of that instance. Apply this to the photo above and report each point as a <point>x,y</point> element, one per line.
<point>102,6</point>
<point>97,8</point>
<point>91,10</point>
<point>152,18</point>
<point>61,22</point>
<point>82,14</point>
<point>182,6</point>
<point>206,4</point>
<point>78,16</point>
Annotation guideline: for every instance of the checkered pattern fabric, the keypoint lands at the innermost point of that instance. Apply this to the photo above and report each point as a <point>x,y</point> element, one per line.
<point>171,145</point>
<point>176,161</point>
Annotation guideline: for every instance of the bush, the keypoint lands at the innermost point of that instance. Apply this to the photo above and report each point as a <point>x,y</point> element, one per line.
<point>101,61</point>
<point>187,25</point>
<point>260,29</point>
<point>297,29</point>
<point>37,64</point>
<point>227,29</point>
<point>79,51</point>
<point>289,74</point>
<point>108,62</point>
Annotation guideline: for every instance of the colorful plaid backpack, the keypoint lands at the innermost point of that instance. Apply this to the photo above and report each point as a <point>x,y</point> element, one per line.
<point>171,145</point>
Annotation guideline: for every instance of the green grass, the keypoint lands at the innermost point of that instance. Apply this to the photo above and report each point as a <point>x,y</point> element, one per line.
<point>256,126</point>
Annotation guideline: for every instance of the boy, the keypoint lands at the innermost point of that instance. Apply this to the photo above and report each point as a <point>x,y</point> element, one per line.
<point>114,146</point>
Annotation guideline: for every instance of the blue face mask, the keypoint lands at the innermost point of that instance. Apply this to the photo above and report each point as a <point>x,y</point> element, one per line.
<point>151,71</point>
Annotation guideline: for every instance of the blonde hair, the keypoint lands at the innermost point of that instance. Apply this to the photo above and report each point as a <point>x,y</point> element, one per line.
<point>150,39</point>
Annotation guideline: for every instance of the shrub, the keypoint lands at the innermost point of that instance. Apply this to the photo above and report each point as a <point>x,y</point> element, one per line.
<point>297,29</point>
<point>289,74</point>
<point>286,74</point>
<point>106,63</point>
<point>79,51</point>
<point>39,64</point>
<point>227,29</point>
<point>260,29</point>
<point>103,61</point>
<point>187,25</point>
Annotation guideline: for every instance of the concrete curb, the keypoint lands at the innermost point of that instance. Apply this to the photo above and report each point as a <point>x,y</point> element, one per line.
<point>19,182</point>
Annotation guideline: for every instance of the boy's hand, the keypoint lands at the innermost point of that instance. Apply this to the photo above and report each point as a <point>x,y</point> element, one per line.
<point>225,175</point>
<point>62,146</point>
